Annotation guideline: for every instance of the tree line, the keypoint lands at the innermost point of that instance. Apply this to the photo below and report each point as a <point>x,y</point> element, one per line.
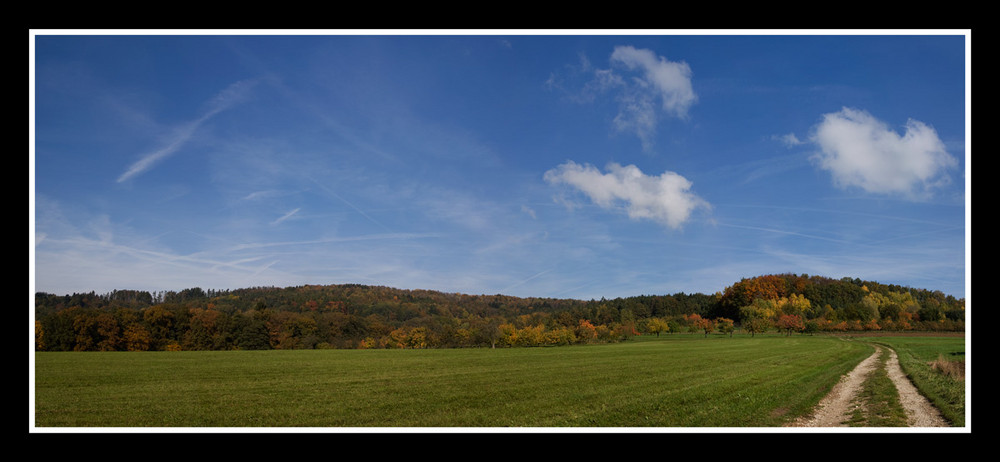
<point>360,316</point>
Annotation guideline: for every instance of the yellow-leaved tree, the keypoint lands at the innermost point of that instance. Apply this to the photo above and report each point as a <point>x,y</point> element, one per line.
<point>657,325</point>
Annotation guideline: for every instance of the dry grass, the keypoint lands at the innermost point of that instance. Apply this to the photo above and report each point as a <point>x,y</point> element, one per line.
<point>953,369</point>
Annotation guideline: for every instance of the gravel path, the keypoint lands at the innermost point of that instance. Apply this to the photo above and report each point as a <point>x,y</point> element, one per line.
<point>834,409</point>
<point>919,411</point>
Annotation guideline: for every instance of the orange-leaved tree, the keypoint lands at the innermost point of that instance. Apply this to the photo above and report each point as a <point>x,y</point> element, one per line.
<point>790,323</point>
<point>706,325</point>
<point>744,292</point>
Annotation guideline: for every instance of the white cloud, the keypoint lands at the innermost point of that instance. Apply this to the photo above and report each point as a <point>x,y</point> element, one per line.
<point>222,101</point>
<point>665,198</point>
<point>789,140</point>
<point>670,81</point>
<point>645,86</point>
<point>862,151</point>
<point>656,79</point>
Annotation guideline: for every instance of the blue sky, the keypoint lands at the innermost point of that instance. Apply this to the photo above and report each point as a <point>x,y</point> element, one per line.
<point>530,164</point>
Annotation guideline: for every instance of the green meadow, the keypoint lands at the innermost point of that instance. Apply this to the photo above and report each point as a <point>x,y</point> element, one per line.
<point>678,380</point>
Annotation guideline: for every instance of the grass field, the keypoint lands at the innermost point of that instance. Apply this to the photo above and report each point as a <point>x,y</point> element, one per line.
<point>676,380</point>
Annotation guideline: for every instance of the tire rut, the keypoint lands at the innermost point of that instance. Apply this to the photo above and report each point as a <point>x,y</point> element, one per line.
<point>919,411</point>
<point>835,408</point>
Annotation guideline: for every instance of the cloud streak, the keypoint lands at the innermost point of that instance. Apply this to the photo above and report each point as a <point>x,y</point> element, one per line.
<point>666,198</point>
<point>222,101</point>
<point>285,216</point>
<point>505,289</point>
<point>862,151</point>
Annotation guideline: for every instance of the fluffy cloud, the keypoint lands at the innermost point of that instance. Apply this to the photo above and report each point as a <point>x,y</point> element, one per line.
<point>665,198</point>
<point>862,151</point>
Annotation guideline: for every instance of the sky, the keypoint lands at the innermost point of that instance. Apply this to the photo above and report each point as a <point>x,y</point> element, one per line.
<point>527,163</point>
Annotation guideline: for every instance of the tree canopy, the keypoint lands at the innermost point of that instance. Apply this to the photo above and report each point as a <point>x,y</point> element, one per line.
<point>362,316</point>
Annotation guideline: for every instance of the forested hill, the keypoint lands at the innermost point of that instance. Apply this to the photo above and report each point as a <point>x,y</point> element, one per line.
<point>360,316</point>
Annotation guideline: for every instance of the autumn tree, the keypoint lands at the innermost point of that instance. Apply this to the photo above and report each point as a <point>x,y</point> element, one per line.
<point>96,331</point>
<point>528,336</point>
<point>743,293</point>
<point>492,332</point>
<point>790,323</point>
<point>705,324</point>
<point>202,330</point>
<point>794,305</point>
<point>756,317</point>
<point>136,337</point>
<point>605,314</point>
<point>673,325</point>
<point>725,325</point>
<point>39,336</point>
<point>560,335</point>
<point>756,324</point>
<point>628,323</point>
<point>604,333</point>
<point>624,331</point>
<point>108,332</point>
<point>657,325</point>
<point>871,325</point>
<point>417,338</point>
<point>359,316</point>
<point>160,322</point>
<point>871,305</point>
<point>585,331</point>
<point>694,325</point>
<point>292,330</point>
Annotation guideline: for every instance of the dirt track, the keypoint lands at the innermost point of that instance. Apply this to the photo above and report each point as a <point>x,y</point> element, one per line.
<point>919,411</point>
<point>834,409</point>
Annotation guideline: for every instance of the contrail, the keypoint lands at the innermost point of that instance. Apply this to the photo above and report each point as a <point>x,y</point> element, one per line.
<point>224,100</point>
<point>334,194</point>
<point>790,233</point>
<point>285,216</point>
<point>182,136</point>
<point>526,280</point>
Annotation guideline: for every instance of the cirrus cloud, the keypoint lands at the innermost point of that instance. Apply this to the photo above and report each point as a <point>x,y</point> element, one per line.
<point>665,198</point>
<point>862,151</point>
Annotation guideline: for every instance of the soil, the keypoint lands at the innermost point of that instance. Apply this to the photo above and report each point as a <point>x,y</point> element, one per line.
<point>835,408</point>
